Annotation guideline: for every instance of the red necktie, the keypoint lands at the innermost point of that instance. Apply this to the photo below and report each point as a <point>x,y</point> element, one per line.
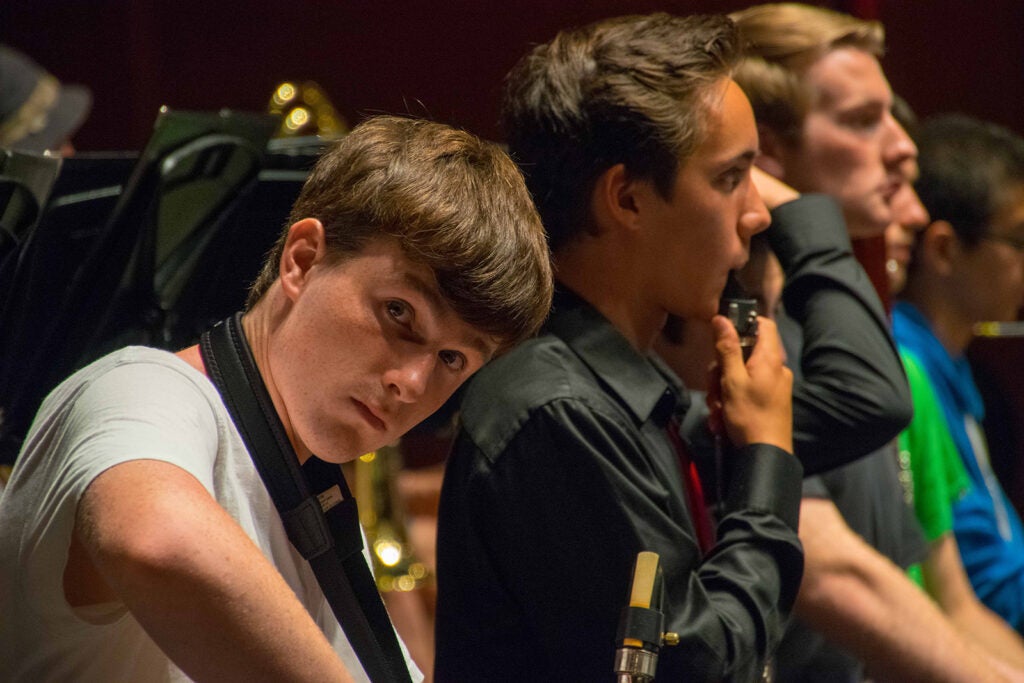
<point>694,491</point>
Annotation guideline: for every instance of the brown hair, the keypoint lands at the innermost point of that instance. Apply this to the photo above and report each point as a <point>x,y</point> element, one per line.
<point>629,90</point>
<point>454,203</point>
<point>780,41</point>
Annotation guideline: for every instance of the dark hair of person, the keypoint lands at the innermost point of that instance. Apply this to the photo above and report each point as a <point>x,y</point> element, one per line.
<point>453,202</point>
<point>630,90</point>
<point>967,168</point>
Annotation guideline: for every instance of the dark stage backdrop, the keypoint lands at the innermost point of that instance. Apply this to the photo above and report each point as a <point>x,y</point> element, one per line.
<point>444,60</point>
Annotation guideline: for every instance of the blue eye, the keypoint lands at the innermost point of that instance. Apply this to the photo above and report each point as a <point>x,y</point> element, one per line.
<point>452,359</point>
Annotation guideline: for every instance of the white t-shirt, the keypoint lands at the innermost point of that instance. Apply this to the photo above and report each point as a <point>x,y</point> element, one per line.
<point>137,403</point>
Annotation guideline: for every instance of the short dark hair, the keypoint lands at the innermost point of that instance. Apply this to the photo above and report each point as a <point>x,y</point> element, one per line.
<point>967,166</point>
<point>453,202</point>
<point>628,90</point>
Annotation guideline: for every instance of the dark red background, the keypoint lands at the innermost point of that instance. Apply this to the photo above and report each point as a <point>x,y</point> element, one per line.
<point>444,60</point>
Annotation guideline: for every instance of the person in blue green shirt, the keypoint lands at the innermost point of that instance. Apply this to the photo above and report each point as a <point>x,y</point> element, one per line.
<point>968,267</point>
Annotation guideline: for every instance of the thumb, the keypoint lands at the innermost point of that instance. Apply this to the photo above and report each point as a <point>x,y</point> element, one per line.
<point>727,345</point>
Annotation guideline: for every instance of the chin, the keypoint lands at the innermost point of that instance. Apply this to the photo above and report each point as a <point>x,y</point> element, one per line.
<point>710,312</point>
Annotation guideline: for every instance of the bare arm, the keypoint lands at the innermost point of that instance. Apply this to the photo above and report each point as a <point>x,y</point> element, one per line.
<point>860,600</point>
<point>947,583</point>
<point>195,581</point>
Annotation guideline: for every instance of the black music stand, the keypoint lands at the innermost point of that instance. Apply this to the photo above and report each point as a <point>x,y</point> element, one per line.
<point>220,281</point>
<point>25,183</point>
<point>196,169</point>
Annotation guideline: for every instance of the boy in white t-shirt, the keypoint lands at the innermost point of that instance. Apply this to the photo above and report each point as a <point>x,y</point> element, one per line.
<point>137,541</point>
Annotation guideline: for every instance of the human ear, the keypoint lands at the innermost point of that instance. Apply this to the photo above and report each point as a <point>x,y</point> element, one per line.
<point>303,248</point>
<point>939,247</point>
<point>614,201</point>
<point>771,157</point>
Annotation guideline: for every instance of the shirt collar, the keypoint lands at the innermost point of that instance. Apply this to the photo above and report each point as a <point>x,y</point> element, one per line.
<point>642,383</point>
<point>953,375</point>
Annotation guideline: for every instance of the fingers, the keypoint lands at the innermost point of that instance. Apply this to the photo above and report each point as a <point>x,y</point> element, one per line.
<point>714,400</point>
<point>773,191</point>
<point>755,397</point>
<point>769,347</point>
<point>727,345</point>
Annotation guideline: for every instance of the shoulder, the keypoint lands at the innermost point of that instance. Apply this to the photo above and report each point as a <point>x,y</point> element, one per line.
<point>913,366</point>
<point>140,382</point>
<point>540,383</point>
<point>134,403</point>
<point>926,404</point>
<point>129,373</point>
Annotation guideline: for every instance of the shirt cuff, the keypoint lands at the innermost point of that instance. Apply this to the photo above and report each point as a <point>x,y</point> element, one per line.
<point>765,478</point>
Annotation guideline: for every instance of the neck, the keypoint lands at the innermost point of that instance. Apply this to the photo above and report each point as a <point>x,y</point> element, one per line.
<point>260,325</point>
<point>953,330</point>
<point>257,326</point>
<point>606,278</point>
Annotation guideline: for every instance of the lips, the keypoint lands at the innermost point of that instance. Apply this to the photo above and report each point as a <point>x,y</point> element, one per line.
<point>900,254</point>
<point>372,418</point>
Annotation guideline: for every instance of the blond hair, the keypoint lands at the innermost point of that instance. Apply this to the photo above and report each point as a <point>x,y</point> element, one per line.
<point>780,41</point>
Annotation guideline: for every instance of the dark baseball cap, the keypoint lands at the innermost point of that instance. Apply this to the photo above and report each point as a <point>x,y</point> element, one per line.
<point>37,112</point>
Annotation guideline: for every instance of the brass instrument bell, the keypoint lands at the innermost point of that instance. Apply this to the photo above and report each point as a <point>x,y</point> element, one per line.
<point>394,564</point>
<point>305,110</point>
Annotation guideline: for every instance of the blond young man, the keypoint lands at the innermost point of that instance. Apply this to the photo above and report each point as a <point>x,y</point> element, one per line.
<point>824,112</point>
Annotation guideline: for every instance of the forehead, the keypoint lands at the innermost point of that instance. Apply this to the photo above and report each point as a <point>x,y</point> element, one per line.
<point>383,269</point>
<point>847,76</point>
<point>729,128</point>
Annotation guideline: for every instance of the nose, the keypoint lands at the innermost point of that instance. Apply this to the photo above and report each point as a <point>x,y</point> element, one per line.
<point>407,381</point>
<point>898,148</point>
<point>908,210</point>
<point>755,216</point>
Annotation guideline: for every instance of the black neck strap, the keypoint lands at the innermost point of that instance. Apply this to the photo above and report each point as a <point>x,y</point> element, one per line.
<point>318,511</point>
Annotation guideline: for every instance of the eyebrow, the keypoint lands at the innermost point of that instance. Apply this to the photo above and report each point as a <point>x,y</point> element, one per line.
<point>430,292</point>
<point>748,156</point>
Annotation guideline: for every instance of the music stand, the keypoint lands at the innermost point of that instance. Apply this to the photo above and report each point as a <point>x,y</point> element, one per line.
<point>195,169</point>
<point>25,183</point>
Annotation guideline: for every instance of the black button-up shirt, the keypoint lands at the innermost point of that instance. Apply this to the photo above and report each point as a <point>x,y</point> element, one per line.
<point>561,472</point>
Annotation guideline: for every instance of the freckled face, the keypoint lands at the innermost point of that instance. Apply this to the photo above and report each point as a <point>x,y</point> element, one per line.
<point>368,350</point>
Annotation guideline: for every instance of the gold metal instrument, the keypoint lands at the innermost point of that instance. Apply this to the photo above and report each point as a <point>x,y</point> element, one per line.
<point>395,566</point>
<point>305,110</point>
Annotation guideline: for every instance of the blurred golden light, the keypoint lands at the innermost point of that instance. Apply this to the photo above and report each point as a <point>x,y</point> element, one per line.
<point>388,551</point>
<point>284,93</point>
<point>298,118</point>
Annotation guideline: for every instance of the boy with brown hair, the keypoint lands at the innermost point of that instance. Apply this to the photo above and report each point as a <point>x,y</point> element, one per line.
<point>139,542</point>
